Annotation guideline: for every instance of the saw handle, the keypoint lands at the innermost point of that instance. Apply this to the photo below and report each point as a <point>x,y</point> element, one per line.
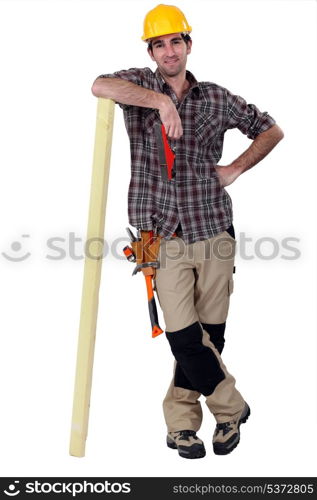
<point>169,154</point>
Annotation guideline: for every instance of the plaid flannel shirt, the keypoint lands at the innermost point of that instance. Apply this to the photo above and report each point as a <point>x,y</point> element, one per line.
<point>194,197</point>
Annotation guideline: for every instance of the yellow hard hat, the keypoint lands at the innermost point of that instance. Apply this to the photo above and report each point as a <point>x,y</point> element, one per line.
<point>163,20</point>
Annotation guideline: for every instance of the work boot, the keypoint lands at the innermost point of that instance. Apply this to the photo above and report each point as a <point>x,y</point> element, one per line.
<point>187,444</point>
<point>227,435</point>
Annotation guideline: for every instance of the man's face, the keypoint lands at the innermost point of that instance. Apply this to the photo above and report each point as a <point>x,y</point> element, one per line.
<point>170,53</point>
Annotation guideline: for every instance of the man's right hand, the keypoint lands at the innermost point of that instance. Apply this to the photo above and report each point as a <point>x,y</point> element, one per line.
<point>170,118</point>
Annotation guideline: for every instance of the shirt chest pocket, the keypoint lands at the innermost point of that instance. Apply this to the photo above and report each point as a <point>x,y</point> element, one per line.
<point>206,128</point>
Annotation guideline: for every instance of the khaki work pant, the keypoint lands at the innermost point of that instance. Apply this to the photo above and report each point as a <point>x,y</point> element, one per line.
<point>193,285</point>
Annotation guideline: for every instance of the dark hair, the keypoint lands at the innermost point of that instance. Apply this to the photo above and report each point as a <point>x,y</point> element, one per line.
<point>184,36</point>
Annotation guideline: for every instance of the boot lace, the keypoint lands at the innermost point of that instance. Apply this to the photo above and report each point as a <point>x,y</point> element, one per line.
<point>224,427</point>
<point>185,435</point>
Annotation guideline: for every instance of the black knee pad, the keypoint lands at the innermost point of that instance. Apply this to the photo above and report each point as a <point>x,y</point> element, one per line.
<point>216,334</point>
<point>180,379</point>
<point>198,362</point>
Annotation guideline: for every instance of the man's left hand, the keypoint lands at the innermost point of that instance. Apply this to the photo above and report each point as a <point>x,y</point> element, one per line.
<point>259,148</point>
<point>227,175</point>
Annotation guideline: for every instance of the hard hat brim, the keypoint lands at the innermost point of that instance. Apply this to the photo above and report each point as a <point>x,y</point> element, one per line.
<point>166,33</point>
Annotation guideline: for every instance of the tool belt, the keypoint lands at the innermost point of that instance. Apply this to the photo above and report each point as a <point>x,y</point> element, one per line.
<point>146,251</point>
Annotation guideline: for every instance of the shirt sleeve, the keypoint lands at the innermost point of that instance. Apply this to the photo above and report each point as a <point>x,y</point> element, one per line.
<point>246,117</point>
<point>138,76</point>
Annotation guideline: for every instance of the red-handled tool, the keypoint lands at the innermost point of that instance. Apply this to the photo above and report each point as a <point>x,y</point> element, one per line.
<point>128,252</point>
<point>156,329</point>
<point>166,155</point>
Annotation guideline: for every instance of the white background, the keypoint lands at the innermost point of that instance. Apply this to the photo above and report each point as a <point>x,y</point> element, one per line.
<point>51,51</point>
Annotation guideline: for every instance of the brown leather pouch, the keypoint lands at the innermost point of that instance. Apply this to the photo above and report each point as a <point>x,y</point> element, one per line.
<point>137,247</point>
<point>146,250</point>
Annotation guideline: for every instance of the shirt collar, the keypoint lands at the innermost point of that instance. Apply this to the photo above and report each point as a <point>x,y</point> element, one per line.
<point>193,84</point>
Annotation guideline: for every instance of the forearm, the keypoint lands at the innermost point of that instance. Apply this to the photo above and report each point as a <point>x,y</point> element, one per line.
<point>259,149</point>
<point>126,92</point>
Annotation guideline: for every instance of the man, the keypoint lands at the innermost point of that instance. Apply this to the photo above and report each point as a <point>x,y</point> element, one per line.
<point>193,215</point>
